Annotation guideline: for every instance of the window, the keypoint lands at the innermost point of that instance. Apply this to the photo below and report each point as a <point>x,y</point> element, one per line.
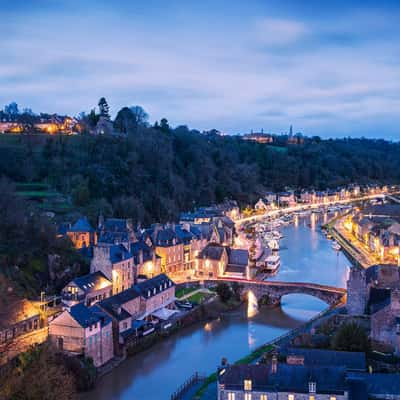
<point>291,397</point>
<point>247,396</point>
<point>263,397</point>
<point>231,396</point>
<point>311,398</point>
<point>247,384</point>
<point>332,398</point>
<point>312,387</point>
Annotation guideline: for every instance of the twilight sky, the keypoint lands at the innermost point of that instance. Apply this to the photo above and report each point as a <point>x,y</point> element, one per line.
<point>330,68</point>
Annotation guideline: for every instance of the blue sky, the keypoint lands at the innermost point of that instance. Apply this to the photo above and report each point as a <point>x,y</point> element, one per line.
<point>328,68</point>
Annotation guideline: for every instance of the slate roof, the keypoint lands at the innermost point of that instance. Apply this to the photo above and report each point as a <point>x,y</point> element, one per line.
<point>320,357</point>
<point>113,237</point>
<point>119,253</point>
<point>146,251</point>
<point>288,378</point>
<point>114,304</point>
<point>82,225</point>
<point>239,257</point>
<point>88,316</point>
<point>213,251</point>
<point>91,282</point>
<point>384,385</point>
<point>183,235</point>
<point>159,283</point>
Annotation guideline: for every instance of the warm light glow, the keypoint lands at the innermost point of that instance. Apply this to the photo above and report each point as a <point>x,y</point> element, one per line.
<point>252,305</point>
<point>208,327</point>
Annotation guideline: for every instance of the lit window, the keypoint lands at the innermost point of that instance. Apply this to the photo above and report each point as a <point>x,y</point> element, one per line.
<point>247,384</point>
<point>312,398</point>
<point>291,397</point>
<point>231,396</point>
<point>247,396</point>
<point>263,397</point>
<point>332,398</point>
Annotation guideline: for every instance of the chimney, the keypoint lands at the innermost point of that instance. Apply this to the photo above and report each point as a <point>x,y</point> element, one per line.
<point>140,257</point>
<point>395,300</point>
<point>274,364</point>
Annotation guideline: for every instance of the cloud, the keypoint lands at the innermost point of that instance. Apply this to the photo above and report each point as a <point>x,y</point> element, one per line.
<point>258,70</point>
<point>279,32</point>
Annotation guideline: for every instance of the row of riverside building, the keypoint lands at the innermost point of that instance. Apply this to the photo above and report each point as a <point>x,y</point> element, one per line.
<point>291,198</point>
<point>378,228</point>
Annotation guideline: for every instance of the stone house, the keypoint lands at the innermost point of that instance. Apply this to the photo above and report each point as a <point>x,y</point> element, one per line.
<point>376,292</point>
<point>123,308</point>
<point>87,289</point>
<point>286,199</point>
<point>147,262</point>
<point>262,205</point>
<point>307,196</point>
<point>385,319</point>
<point>155,294</point>
<point>116,263</point>
<point>84,331</point>
<point>82,234</point>
<point>212,261</point>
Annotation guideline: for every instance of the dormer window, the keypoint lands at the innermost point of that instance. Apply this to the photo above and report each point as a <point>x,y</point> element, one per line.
<point>148,293</point>
<point>160,288</point>
<point>312,387</point>
<point>154,291</point>
<point>247,384</point>
<point>165,285</point>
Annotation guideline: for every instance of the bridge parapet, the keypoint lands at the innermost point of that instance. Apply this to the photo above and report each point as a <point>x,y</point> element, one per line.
<point>275,290</point>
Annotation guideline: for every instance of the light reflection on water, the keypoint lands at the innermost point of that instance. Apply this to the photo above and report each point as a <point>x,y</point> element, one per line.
<point>156,373</point>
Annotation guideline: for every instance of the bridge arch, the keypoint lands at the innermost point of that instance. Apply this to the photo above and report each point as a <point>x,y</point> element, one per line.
<point>271,292</point>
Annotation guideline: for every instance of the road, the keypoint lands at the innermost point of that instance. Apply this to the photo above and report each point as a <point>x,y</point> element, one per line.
<point>305,207</point>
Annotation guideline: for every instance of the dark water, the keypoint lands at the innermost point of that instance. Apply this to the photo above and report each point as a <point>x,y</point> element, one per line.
<point>306,256</point>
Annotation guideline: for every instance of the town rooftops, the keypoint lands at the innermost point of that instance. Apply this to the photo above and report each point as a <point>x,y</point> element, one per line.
<point>141,246</point>
<point>119,253</point>
<point>92,282</point>
<point>321,357</point>
<point>114,304</point>
<point>113,237</point>
<point>287,378</point>
<point>238,258</point>
<point>213,251</point>
<point>153,286</point>
<point>82,225</point>
<point>88,316</point>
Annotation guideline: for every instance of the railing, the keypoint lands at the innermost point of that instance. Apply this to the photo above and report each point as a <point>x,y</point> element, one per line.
<point>195,378</point>
<point>305,285</point>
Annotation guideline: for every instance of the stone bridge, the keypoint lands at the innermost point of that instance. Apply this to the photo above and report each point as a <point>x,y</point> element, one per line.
<point>273,291</point>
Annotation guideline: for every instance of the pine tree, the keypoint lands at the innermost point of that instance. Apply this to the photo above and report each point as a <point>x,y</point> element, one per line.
<point>104,108</point>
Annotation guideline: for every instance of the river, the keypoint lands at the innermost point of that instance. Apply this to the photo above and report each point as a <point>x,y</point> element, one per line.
<point>306,256</point>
